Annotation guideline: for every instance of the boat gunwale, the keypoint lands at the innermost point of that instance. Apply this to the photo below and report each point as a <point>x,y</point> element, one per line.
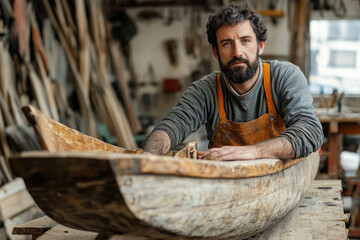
<point>125,163</point>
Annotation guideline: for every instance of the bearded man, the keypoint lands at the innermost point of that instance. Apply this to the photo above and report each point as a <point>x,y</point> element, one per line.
<point>253,108</point>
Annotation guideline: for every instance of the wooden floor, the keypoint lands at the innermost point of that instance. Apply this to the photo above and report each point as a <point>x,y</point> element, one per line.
<point>320,215</point>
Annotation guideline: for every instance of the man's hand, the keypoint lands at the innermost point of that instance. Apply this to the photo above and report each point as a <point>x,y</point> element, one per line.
<point>226,153</point>
<point>279,148</point>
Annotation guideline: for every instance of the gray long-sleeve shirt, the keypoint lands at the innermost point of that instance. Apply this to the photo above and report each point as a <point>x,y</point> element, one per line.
<point>293,101</point>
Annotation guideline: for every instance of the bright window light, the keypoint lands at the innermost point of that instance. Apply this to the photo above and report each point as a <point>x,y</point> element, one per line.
<point>335,56</point>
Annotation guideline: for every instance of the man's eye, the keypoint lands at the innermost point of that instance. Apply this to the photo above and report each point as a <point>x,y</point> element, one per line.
<point>225,44</point>
<point>246,40</point>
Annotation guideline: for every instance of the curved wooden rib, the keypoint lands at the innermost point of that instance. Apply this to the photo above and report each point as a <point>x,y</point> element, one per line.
<point>56,137</point>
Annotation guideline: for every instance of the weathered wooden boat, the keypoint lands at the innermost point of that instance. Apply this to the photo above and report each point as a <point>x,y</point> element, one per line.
<point>81,183</point>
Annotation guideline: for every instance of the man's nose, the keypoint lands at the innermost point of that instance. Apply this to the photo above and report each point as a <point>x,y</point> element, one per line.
<point>238,49</point>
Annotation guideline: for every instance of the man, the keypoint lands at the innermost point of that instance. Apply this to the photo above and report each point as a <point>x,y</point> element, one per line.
<point>253,108</point>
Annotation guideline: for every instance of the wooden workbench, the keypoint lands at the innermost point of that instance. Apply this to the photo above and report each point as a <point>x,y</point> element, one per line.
<point>334,126</point>
<point>319,215</point>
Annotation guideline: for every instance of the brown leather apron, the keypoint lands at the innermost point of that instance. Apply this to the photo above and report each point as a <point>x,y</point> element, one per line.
<point>267,126</point>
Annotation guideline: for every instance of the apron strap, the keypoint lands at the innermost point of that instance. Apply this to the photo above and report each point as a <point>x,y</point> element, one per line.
<point>267,86</point>
<point>220,99</point>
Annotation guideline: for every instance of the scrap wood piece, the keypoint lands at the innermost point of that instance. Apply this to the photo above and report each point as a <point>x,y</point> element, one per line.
<point>189,151</point>
<point>36,227</point>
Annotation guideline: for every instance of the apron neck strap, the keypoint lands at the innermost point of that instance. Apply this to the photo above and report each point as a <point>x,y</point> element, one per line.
<point>220,99</point>
<point>267,86</point>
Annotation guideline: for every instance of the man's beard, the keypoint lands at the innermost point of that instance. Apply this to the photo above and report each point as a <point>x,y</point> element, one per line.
<point>239,74</point>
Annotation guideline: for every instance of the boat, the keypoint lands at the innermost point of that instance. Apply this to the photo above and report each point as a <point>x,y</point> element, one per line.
<point>86,184</point>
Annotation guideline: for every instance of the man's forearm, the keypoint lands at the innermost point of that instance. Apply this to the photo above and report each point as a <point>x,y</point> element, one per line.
<point>158,143</point>
<point>279,148</point>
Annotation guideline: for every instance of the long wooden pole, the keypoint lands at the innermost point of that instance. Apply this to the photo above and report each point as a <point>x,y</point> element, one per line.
<point>85,106</point>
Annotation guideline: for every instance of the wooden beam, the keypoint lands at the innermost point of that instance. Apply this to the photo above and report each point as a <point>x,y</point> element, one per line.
<point>36,227</point>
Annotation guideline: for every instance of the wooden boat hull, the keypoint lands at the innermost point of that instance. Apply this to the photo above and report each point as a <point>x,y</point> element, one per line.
<point>164,197</point>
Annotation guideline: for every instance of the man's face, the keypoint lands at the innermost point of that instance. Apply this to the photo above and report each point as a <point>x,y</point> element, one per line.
<point>238,51</point>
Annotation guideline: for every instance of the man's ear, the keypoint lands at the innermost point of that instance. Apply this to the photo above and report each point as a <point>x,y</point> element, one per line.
<point>261,47</point>
<point>215,53</point>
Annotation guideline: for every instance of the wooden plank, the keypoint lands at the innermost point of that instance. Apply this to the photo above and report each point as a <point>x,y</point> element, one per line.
<point>15,204</point>
<point>25,216</point>
<point>83,96</point>
<point>122,83</point>
<point>38,90</point>
<point>62,232</point>
<point>4,148</point>
<point>114,109</point>
<point>36,227</point>
<point>83,36</point>
<point>319,215</point>
<point>43,64</point>
<point>11,188</point>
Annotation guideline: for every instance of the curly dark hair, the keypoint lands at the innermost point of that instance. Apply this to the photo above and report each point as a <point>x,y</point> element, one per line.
<point>231,15</point>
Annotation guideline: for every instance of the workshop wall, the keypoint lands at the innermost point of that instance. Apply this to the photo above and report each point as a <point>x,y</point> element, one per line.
<point>150,55</point>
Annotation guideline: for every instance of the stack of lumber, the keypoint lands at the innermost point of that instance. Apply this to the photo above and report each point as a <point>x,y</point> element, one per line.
<point>60,56</point>
<point>16,207</point>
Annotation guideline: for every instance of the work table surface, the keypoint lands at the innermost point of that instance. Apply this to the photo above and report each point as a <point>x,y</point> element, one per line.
<point>319,215</point>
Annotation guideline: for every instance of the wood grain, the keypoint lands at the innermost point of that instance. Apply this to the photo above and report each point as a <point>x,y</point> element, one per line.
<point>55,136</point>
<point>156,197</point>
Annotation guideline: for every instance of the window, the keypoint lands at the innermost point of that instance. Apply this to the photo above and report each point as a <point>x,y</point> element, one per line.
<point>335,56</point>
<point>342,59</point>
